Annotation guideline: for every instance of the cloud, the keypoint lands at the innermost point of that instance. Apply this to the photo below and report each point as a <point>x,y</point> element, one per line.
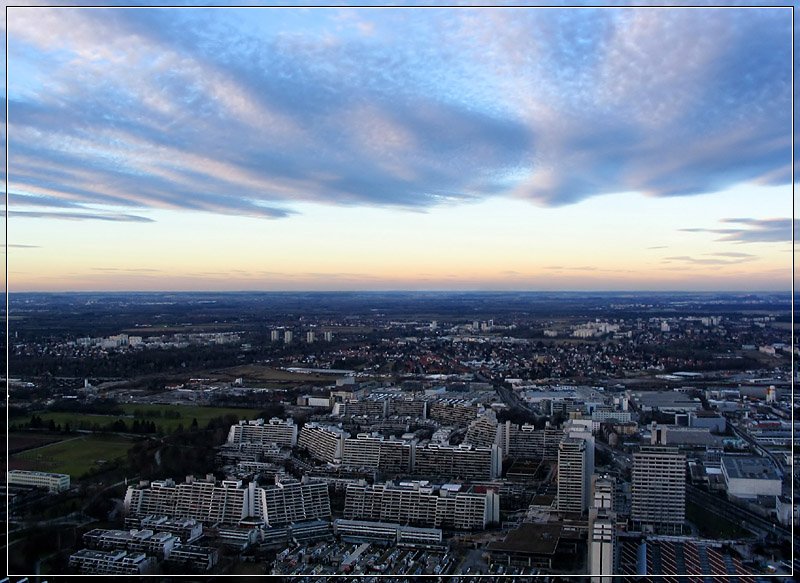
<point>21,246</point>
<point>250,112</point>
<point>701,261</point>
<point>752,230</point>
<point>125,270</point>
<point>19,199</point>
<point>731,254</point>
<point>79,216</point>
<point>658,247</point>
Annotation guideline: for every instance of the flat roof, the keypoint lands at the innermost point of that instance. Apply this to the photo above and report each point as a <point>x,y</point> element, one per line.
<point>534,539</point>
<point>749,467</point>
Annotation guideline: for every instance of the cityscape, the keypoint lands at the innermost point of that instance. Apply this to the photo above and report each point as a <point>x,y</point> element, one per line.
<point>385,294</point>
<point>566,435</point>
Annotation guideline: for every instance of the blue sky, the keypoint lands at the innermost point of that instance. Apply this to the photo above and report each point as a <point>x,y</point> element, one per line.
<point>277,127</point>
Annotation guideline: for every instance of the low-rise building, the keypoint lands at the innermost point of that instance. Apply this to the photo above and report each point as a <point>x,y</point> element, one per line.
<point>116,562</point>
<point>749,477</point>
<point>386,533</point>
<point>53,482</point>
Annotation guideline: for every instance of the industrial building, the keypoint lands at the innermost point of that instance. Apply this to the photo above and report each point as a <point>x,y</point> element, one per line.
<point>750,476</point>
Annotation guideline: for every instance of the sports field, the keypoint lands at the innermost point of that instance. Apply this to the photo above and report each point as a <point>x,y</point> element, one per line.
<point>74,456</point>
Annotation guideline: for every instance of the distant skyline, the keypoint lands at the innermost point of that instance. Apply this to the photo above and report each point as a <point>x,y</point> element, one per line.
<point>411,149</point>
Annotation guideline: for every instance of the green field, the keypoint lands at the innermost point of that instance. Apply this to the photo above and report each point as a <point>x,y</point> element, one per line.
<point>159,414</point>
<point>74,456</point>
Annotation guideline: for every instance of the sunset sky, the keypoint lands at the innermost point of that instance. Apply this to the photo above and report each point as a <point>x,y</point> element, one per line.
<point>411,149</point>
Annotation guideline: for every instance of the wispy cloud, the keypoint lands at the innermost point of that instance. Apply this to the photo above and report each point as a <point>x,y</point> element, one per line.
<point>752,230</point>
<point>79,216</point>
<point>126,270</point>
<point>251,112</point>
<point>703,261</point>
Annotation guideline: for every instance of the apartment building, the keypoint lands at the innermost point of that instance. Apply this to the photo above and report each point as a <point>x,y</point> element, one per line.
<point>659,490</point>
<point>485,431</point>
<point>323,442</point>
<point>157,499</point>
<point>527,442</point>
<point>421,504</point>
<point>52,482</point>
<point>374,452</point>
<point>407,407</point>
<point>365,408</point>
<point>278,431</point>
<point>463,461</point>
<point>290,501</point>
<point>575,469</point>
<point>459,414</point>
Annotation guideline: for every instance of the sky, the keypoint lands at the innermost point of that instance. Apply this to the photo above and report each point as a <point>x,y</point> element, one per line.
<point>410,149</point>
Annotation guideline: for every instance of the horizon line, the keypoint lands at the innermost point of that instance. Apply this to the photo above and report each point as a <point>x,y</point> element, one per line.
<point>438,291</point>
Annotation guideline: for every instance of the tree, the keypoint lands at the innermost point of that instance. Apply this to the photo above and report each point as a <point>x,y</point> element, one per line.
<point>193,426</point>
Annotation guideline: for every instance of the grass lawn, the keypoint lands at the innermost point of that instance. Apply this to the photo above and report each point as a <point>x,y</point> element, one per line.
<point>19,441</point>
<point>75,456</point>
<point>155,413</point>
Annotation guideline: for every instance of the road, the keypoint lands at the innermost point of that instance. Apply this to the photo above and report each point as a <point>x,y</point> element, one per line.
<point>758,447</point>
<point>508,396</point>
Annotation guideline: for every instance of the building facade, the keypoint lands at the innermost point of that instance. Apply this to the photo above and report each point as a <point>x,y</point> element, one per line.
<point>659,490</point>
<point>53,482</point>
<point>278,431</point>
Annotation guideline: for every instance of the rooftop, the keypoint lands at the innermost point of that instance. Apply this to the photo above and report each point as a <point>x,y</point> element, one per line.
<point>749,467</point>
<point>535,539</point>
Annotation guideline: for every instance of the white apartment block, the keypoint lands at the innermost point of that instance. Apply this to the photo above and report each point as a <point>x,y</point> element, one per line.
<point>278,431</point>
<point>420,504</point>
<point>289,501</point>
<point>485,431</point>
<point>323,442</point>
<point>527,442</point>
<point>53,482</point>
<point>374,452</point>
<point>231,501</point>
<point>461,461</point>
